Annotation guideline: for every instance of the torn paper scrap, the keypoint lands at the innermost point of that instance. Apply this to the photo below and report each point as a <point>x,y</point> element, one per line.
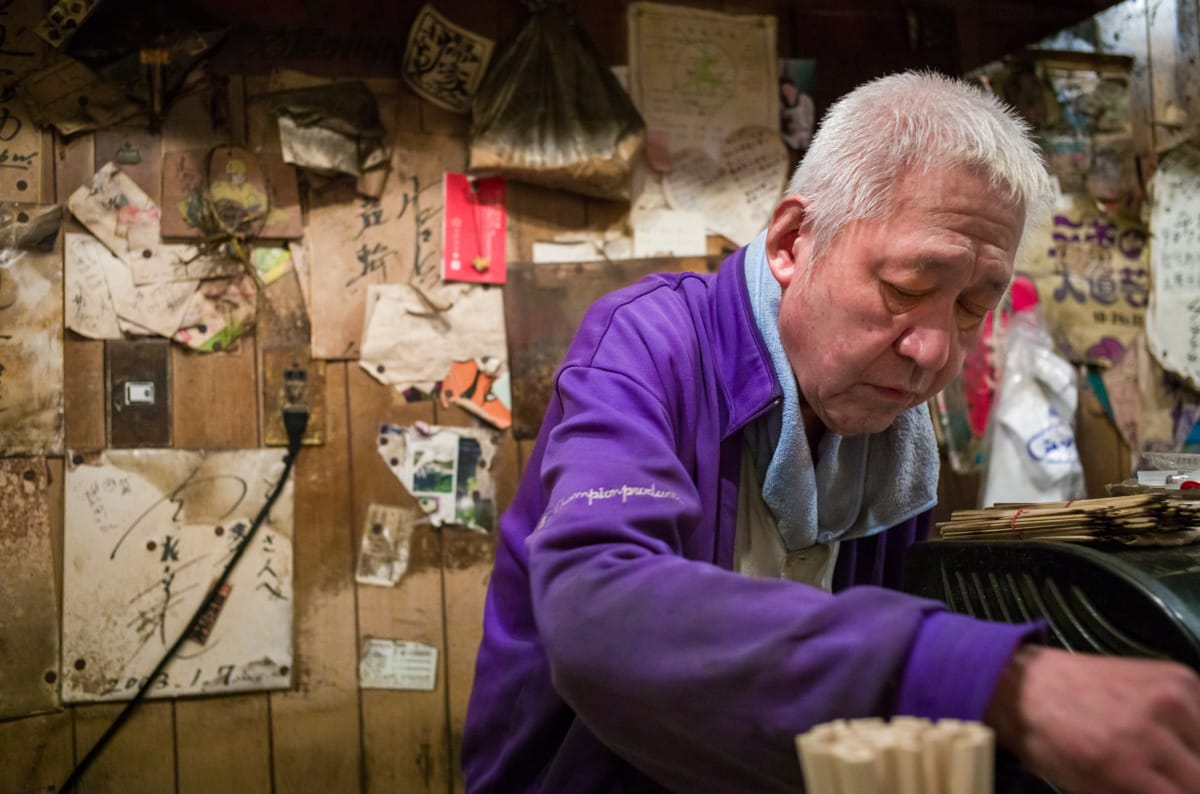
<point>398,664</point>
<point>330,128</point>
<point>471,385</point>
<point>220,311</point>
<point>89,306</point>
<point>158,308</point>
<point>124,218</point>
<point>386,544</point>
<point>445,63</point>
<point>736,194</point>
<point>447,470</point>
<point>271,263</point>
<point>146,534</point>
<point>407,342</point>
<point>31,353</point>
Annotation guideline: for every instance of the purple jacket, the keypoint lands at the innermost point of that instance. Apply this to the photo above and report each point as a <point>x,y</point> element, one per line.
<point>620,651</point>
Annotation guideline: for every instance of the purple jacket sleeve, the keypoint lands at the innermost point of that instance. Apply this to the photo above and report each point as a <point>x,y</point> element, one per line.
<point>697,675</point>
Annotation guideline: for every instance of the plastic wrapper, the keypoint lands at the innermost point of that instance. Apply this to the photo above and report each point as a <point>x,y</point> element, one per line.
<point>548,112</point>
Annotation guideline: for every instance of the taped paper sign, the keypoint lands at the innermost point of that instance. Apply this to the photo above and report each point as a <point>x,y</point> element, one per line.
<point>386,544</point>
<point>447,470</point>
<point>124,218</point>
<point>31,353</point>
<point>736,193</point>
<point>398,664</point>
<point>29,620</point>
<point>443,62</point>
<point>407,343</point>
<point>147,533</point>
<point>1173,326</point>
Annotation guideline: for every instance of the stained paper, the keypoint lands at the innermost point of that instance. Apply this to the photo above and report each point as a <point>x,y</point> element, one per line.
<point>31,353</point>
<point>146,534</point>
<point>1173,325</point>
<point>445,63</point>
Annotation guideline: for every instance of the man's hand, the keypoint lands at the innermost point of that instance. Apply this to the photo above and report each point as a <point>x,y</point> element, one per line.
<point>1100,724</point>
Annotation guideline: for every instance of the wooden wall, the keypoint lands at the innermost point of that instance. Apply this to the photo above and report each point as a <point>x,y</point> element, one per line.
<point>327,735</point>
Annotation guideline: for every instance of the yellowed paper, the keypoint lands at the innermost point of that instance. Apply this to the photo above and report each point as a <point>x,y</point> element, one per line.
<point>697,76</point>
<point>90,310</point>
<point>668,232</point>
<point>394,240</point>
<point>73,98</point>
<point>386,544</point>
<point>219,312</point>
<point>31,353</point>
<point>398,664</point>
<point>445,63</point>
<point>737,193</point>
<point>157,308</point>
<point>124,218</point>
<point>1173,322</point>
<point>406,343</point>
<point>147,533</point>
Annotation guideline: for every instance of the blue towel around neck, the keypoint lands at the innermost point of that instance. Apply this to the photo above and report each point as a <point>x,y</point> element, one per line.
<point>861,484</point>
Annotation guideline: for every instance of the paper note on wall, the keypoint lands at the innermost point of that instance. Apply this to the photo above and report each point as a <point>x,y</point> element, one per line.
<point>398,664</point>
<point>697,76</point>
<point>393,240</point>
<point>447,470</point>
<point>1173,324</point>
<point>407,343</point>
<point>21,153</point>
<point>31,353</point>
<point>146,535</point>
<point>124,218</point>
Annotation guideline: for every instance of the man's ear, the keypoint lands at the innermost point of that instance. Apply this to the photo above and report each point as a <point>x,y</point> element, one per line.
<point>787,246</point>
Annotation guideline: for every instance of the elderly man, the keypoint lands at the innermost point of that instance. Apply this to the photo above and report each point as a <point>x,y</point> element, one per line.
<point>730,469</point>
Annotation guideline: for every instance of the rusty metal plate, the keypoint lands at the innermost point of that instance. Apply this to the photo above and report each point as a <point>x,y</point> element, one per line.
<point>138,377</point>
<point>290,374</point>
<point>29,619</point>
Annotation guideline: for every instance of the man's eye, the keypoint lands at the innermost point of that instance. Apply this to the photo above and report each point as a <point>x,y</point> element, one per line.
<point>970,317</point>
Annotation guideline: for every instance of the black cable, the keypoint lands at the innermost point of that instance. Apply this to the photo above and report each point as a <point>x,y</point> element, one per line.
<point>295,421</point>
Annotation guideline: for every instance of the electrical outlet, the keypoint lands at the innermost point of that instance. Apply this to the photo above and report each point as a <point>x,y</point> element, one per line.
<point>290,377</point>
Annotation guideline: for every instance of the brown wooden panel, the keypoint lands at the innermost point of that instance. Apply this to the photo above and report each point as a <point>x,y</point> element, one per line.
<point>223,744</point>
<point>543,305</point>
<point>84,394</point>
<point>405,736</point>
<point>537,213</point>
<point>1102,451</point>
<point>36,753</point>
<point>214,398</point>
<point>140,757</point>
<point>315,727</point>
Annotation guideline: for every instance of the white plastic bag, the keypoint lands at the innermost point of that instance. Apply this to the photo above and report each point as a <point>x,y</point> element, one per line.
<point>1032,455</point>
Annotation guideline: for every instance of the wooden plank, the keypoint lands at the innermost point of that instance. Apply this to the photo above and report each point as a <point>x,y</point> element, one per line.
<point>405,737</point>
<point>140,757</point>
<point>213,398</point>
<point>537,213</point>
<point>315,727</point>
<point>223,744</point>
<point>466,569</point>
<point>1171,125</point>
<point>36,753</point>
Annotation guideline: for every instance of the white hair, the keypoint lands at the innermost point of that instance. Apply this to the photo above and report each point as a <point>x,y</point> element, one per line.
<point>914,120</point>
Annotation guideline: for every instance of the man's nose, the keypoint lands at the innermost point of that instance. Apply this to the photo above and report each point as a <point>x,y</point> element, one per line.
<point>927,343</point>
